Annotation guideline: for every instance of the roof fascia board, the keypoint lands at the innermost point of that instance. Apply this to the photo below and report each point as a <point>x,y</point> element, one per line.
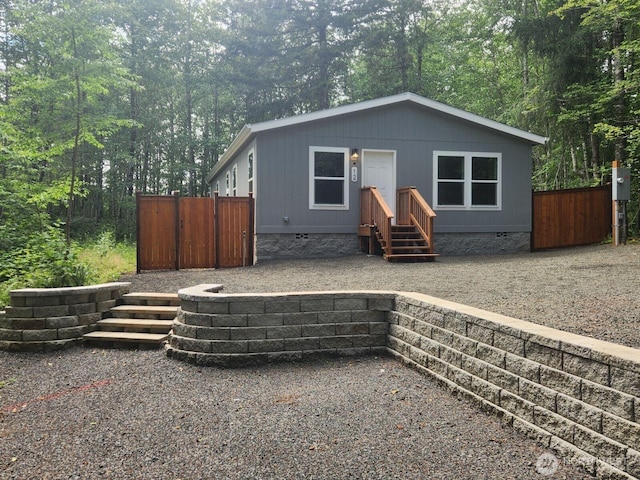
<point>236,145</point>
<point>249,130</point>
<point>472,117</point>
<point>412,97</point>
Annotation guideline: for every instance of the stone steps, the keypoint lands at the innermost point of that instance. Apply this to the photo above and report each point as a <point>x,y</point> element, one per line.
<point>143,320</point>
<point>159,312</point>
<point>151,298</point>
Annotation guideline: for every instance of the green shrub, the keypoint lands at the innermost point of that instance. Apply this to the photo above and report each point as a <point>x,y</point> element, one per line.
<point>44,261</point>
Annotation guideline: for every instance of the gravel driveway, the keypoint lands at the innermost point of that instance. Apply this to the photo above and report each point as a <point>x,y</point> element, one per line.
<point>592,291</point>
<point>93,413</point>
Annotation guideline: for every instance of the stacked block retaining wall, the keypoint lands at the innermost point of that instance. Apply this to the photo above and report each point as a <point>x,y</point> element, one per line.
<point>576,395</point>
<point>43,319</point>
<point>240,329</point>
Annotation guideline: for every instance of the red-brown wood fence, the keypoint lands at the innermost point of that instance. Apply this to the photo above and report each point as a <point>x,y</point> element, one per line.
<point>179,233</point>
<point>565,218</point>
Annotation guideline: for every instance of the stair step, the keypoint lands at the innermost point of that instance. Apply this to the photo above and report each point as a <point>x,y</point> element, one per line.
<point>126,337</point>
<point>407,240</point>
<point>397,228</point>
<point>144,311</point>
<point>151,298</point>
<point>135,323</point>
<point>411,257</point>
<point>406,236</point>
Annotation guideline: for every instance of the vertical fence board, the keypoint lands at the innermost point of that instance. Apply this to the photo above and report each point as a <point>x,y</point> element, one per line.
<point>188,232</point>
<point>197,246</point>
<point>234,224</point>
<point>564,218</point>
<point>156,232</point>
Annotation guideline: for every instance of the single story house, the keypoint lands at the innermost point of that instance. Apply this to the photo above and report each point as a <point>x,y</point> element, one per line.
<point>306,173</point>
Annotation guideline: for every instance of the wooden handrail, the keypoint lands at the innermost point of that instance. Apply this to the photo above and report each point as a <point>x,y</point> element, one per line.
<point>375,211</point>
<point>414,210</point>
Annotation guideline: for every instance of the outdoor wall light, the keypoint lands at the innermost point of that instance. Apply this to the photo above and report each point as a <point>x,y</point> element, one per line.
<point>354,154</point>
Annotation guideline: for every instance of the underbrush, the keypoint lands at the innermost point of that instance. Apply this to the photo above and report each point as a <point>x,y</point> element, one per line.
<point>46,262</point>
<point>108,259</point>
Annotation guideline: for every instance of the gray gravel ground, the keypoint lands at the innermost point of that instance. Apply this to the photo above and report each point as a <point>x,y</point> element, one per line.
<point>88,413</point>
<point>94,413</point>
<point>592,291</point>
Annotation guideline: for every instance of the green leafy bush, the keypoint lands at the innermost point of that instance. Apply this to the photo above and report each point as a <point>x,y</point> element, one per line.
<point>44,261</point>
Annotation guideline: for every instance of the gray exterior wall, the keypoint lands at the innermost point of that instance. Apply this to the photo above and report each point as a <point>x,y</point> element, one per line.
<point>242,164</point>
<point>282,169</point>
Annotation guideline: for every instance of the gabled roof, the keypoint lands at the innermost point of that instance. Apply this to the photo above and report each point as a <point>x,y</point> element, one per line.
<point>249,130</point>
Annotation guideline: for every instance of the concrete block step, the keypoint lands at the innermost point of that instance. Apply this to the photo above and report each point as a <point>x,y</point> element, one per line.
<point>135,324</point>
<point>134,337</point>
<point>151,298</point>
<point>145,311</point>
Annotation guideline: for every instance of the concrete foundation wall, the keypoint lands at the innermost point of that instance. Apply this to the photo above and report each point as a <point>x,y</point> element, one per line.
<point>576,395</point>
<point>43,319</point>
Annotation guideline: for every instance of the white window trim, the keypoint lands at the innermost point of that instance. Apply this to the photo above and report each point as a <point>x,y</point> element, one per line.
<point>251,170</point>
<point>227,179</point>
<point>312,178</point>
<point>234,180</point>
<point>467,181</point>
<point>217,187</point>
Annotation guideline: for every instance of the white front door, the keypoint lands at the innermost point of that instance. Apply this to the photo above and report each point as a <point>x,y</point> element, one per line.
<point>379,170</point>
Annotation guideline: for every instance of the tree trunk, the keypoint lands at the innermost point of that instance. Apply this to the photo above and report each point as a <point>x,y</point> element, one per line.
<point>76,142</point>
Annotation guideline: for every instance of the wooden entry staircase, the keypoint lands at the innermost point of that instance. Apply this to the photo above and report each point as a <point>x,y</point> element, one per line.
<point>410,239</point>
<point>142,320</point>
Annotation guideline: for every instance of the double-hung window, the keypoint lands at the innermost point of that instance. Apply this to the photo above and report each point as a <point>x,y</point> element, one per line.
<point>328,181</point>
<point>467,181</point>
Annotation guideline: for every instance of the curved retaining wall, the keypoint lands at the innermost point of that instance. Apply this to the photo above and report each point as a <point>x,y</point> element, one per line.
<point>239,329</point>
<point>43,319</point>
<point>574,394</point>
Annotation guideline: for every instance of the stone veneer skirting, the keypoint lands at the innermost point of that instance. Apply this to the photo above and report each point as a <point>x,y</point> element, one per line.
<point>576,395</point>
<point>43,319</point>
<point>305,245</point>
<point>482,243</point>
<point>312,245</point>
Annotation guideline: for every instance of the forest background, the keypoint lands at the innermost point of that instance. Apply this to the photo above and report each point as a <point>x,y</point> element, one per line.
<point>101,98</point>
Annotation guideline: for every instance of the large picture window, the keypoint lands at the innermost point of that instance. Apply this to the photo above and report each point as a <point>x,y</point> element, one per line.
<point>328,185</point>
<point>465,180</point>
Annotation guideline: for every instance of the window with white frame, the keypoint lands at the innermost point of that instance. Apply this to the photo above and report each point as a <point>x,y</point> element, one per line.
<point>467,180</point>
<point>217,187</point>
<point>234,181</point>
<point>328,181</point>
<point>250,172</point>
<point>227,181</point>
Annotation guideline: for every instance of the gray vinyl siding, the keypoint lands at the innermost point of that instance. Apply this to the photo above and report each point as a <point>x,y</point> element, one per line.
<point>242,162</point>
<point>414,132</point>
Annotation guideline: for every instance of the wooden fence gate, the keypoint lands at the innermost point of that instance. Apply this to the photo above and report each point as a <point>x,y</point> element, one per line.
<point>565,218</point>
<point>177,233</point>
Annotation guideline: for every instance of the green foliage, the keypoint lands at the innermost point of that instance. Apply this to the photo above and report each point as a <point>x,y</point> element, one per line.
<point>99,99</point>
<point>44,261</point>
<point>108,258</point>
<point>4,383</point>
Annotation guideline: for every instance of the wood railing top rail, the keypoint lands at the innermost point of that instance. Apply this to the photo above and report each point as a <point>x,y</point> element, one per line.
<point>366,217</point>
<point>375,211</point>
<point>413,191</point>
